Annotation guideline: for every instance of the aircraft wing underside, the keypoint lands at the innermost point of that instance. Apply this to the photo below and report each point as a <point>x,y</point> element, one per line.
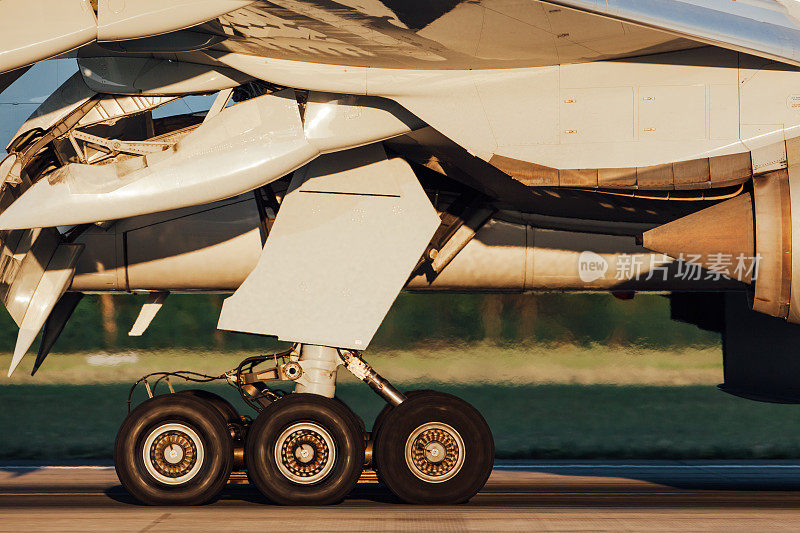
<point>441,34</point>
<point>508,33</point>
<point>436,35</point>
<point>480,73</point>
<point>766,28</point>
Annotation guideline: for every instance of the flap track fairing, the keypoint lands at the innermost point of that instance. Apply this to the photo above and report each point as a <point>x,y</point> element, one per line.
<point>243,147</point>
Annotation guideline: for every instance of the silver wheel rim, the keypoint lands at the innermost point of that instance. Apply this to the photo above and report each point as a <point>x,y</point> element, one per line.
<point>435,452</point>
<point>305,453</point>
<point>173,453</point>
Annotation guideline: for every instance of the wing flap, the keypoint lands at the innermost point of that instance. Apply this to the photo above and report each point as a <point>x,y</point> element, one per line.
<point>337,255</point>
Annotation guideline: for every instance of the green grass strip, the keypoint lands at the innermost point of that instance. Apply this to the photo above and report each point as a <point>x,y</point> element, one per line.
<point>61,422</point>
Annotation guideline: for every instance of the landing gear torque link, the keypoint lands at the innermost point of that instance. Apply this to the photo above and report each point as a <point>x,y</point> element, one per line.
<point>304,448</point>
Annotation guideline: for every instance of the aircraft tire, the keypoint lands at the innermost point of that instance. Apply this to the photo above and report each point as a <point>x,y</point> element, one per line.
<point>388,407</point>
<point>379,422</point>
<point>223,406</point>
<point>173,449</point>
<point>358,418</point>
<point>434,449</point>
<point>305,449</point>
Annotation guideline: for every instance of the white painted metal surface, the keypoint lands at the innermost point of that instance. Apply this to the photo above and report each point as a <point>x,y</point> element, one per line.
<point>151,307</point>
<point>212,247</point>
<point>119,20</point>
<point>31,31</point>
<point>335,261</point>
<point>241,148</point>
<point>52,284</point>
<point>320,365</point>
<point>149,76</point>
<point>769,29</point>
<point>661,108</point>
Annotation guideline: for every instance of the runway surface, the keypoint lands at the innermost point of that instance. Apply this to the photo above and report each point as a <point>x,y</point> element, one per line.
<point>551,496</point>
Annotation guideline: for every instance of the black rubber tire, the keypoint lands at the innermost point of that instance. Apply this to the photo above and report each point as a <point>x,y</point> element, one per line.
<point>388,407</point>
<point>237,428</point>
<point>342,426</point>
<point>403,420</point>
<point>358,418</point>
<point>379,422</point>
<point>223,406</point>
<point>204,420</point>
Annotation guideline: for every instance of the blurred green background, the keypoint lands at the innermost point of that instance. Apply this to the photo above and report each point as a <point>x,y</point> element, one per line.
<point>557,376</point>
<point>415,321</point>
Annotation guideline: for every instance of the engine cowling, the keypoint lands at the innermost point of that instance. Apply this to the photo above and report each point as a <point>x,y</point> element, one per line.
<point>757,224</point>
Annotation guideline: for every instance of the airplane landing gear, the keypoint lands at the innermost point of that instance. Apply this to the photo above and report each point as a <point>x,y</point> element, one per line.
<point>304,448</point>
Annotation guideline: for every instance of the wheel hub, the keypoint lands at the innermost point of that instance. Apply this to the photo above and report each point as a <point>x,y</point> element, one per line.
<point>305,453</point>
<point>434,452</point>
<point>173,453</point>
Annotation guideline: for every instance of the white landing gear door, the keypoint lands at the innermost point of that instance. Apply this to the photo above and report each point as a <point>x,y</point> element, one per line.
<point>345,240</point>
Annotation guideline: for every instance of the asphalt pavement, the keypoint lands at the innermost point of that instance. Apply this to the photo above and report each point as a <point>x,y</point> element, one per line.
<point>520,496</point>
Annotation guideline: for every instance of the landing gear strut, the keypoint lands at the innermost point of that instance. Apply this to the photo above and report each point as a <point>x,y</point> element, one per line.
<point>305,448</point>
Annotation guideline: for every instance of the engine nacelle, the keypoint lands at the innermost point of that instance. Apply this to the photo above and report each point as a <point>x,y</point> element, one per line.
<point>758,225</point>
